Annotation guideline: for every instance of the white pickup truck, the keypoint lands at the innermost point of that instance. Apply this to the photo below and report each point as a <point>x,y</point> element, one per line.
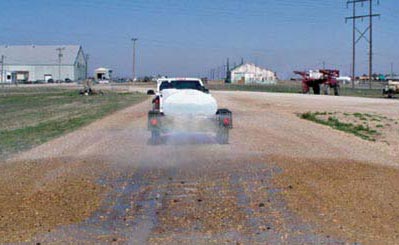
<point>184,104</point>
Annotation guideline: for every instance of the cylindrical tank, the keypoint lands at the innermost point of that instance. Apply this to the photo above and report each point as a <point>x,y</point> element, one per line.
<point>189,103</point>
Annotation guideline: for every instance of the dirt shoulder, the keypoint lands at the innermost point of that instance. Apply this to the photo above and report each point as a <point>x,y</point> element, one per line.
<point>354,201</point>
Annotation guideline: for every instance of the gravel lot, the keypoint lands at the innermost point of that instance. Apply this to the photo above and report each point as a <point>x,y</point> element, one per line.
<point>281,179</point>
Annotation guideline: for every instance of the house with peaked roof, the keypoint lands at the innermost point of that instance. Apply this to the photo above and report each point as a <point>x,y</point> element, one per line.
<point>41,63</point>
<point>248,73</point>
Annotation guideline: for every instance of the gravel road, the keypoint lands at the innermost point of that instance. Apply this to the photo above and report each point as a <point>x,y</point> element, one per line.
<point>192,190</point>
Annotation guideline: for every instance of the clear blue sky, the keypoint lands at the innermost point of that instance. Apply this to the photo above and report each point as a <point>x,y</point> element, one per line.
<point>189,37</point>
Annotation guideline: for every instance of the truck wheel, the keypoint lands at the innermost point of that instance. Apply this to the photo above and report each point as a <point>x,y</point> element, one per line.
<point>155,137</point>
<point>222,136</point>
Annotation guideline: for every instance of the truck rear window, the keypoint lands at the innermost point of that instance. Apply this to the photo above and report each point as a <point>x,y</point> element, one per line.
<point>181,84</point>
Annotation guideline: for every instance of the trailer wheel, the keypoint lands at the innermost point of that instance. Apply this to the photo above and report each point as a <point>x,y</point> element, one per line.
<point>336,91</point>
<point>316,89</point>
<point>155,137</point>
<point>222,136</point>
<point>326,90</point>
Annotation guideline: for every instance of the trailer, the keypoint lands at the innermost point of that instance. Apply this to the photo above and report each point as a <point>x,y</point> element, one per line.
<point>320,80</point>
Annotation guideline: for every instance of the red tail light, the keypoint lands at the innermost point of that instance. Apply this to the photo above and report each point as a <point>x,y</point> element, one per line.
<point>157,103</point>
<point>226,121</point>
<point>154,122</point>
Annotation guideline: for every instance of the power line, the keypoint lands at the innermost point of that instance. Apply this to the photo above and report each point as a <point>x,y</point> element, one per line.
<point>362,34</point>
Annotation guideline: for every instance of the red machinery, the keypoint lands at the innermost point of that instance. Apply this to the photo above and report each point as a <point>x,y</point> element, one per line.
<point>313,80</point>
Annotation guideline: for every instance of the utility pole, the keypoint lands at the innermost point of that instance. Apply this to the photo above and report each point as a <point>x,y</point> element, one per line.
<point>60,55</point>
<point>228,78</point>
<point>391,70</point>
<point>2,72</point>
<point>224,72</point>
<point>369,29</point>
<point>324,65</point>
<point>134,40</point>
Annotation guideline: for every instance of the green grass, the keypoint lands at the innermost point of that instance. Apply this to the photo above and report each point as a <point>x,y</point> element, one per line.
<point>360,116</point>
<point>361,131</point>
<point>30,117</point>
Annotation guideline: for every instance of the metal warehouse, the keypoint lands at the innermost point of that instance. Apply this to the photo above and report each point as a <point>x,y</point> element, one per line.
<point>42,63</point>
<point>249,73</point>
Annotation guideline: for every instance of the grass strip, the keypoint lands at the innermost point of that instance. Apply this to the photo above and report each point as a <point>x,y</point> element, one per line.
<point>358,130</point>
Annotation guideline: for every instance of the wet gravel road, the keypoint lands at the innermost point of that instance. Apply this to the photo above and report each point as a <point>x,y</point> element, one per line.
<point>190,189</point>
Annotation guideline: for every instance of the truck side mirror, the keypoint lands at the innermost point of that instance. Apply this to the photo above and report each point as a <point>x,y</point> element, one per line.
<point>205,90</point>
<point>150,92</point>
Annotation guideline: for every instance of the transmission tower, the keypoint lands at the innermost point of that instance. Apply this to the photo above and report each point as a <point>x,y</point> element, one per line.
<point>362,34</point>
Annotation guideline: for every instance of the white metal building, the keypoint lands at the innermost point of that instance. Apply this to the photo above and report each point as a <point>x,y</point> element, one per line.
<point>102,74</point>
<point>249,73</point>
<point>40,63</point>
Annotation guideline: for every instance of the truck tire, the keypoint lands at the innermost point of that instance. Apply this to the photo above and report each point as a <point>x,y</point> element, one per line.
<point>155,137</point>
<point>222,136</point>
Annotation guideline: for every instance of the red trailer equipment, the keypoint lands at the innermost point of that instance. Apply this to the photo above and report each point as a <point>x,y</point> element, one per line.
<point>328,78</point>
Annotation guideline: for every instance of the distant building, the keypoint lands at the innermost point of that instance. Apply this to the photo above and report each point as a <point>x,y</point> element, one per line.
<point>41,63</point>
<point>249,74</point>
<point>102,75</point>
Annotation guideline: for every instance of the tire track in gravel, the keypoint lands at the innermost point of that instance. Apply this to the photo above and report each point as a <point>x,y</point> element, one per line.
<point>270,221</point>
<point>147,217</point>
<point>128,213</point>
